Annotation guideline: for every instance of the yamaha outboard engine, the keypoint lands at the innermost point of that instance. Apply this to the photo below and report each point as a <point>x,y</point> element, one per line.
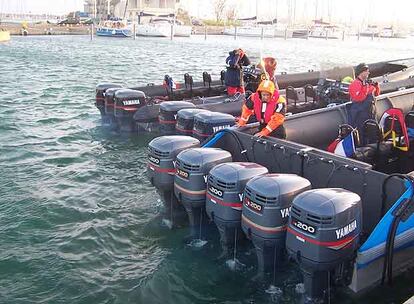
<point>323,237</point>
<point>208,123</point>
<point>266,207</point>
<point>100,97</point>
<point>127,102</point>
<point>110,105</point>
<point>185,121</point>
<point>167,116</point>
<point>190,183</point>
<point>225,186</point>
<point>162,152</point>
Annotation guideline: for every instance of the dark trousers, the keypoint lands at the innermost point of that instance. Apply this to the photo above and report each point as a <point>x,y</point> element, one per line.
<point>359,112</point>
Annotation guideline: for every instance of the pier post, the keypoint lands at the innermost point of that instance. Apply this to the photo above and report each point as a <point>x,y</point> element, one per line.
<point>92,30</point>
<point>235,32</point>
<point>372,36</point>
<point>343,35</point>
<point>205,32</point>
<point>172,32</point>
<point>135,31</point>
<point>286,30</point>
<point>262,34</point>
<point>359,34</point>
<point>326,35</point>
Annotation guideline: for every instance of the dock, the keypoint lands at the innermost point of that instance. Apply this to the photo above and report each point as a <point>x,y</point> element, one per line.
<point>46,29</point>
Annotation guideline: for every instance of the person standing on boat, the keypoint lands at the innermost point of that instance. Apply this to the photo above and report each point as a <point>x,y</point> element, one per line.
<point>234,71</point>
<point>361,91</point>
<point>269,108</point>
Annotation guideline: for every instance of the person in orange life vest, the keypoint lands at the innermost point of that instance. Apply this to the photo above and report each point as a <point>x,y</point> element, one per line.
<point>269,108</point>
<point>270,64</point>
<point>361,92</point>
<point>234,72</point>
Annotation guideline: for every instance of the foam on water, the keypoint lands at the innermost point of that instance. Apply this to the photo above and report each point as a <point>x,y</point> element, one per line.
<point>197,243</point>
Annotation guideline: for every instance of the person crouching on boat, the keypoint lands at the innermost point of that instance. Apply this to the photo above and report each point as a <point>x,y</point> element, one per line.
<point>268,65</point>
<point>361,91</point>
<point>234,71</point>
<point>269,108</point>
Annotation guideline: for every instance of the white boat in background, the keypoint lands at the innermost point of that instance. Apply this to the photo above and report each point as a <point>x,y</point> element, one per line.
<point>386,32</point>
<point>325,30</point>
<point>390,32</point>
<point>162,27</point>
<point>370,31</point>
<point>267,31</point>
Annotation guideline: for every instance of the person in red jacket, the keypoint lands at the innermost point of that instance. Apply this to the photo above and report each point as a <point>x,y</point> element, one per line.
<point>361,91</point>
<point>269,108</point>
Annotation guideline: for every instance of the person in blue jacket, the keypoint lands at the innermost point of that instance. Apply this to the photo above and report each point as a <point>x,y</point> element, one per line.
<point>234,71</point>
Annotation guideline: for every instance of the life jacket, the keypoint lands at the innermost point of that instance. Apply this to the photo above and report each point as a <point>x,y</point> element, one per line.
<point>396,115</point>
<point>276,100</point>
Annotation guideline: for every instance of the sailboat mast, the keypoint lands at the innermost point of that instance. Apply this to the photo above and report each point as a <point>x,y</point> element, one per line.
<point>290,12</point>
<point>276,7</point>
<point>257,11</point>
<point>294,11</point>
<point>94,9</point>
<point>109,7</point>
<point>126,6</point>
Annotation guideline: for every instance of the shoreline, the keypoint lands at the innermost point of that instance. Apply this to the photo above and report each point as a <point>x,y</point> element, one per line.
<point>40,29</point>
<point>15,29</point>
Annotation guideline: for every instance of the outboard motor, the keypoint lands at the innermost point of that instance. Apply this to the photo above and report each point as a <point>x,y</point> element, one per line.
<point>208,123</point>
<point>266,206</point>
<point>323,237</point>
<point>109,105</point>
<point>100,97</point>
<point>167,116</point>
<point>185,121</point>
<point>162,152</point>
<point>225,186</point>
<point>190,183</point>
<point>127,102</point>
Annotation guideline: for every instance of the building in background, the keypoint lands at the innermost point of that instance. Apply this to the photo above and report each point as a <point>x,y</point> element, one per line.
<point>134,7</point>
<point>157,7</point>
<point>101,8</point>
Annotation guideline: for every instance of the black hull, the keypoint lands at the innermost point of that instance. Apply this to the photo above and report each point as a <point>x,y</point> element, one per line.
<point>149,113</point>
<point>284,80</point>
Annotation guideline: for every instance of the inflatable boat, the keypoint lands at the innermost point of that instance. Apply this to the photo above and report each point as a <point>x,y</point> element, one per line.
<point>155,94</point>
<point>130,110</point>
<point>346,221</point>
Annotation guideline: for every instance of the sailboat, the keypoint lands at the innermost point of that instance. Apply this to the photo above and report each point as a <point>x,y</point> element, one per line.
<point>162,26</point>
<point>325,30</point>
<point>114,27</point>
<point>253,28</point>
